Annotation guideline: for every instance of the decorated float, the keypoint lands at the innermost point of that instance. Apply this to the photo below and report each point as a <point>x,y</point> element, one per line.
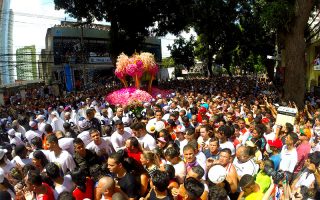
<point>138,67</point>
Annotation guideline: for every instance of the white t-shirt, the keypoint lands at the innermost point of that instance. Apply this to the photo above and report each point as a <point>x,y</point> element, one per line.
<point>64,161</point>
<point>107,146</point>
<point>180,171</point>
<point>85,137</point>
<point>305,179</point>
<point>182,144</point>
<point>41,126</point>
<point>16,141</point>
<point>66,144</point>
<point>249,167</point>
<point>289,159</point>
<point>228,145</point>
<point>67,185</point>
<point>119,140</point>
<point>147,142</point>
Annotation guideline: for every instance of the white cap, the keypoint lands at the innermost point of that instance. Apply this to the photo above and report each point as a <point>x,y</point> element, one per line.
<point>160,125</point>
<point>151,128</point>
<point>11,132</point>
<point>40,117</point>
<point>217,174</point>
<point>55,113</point>
<point>32,123</point>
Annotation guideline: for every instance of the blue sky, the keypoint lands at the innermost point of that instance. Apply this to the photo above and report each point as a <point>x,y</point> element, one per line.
<point>33,17</point>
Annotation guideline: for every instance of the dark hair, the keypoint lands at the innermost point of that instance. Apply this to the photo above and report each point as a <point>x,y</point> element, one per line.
<point>170,171</point>
<point>94,131</point>
<point>53,170</point>
<point>118,157</point>
<point>214,139</point>
<point>171,152</point>
<point>205,127</point>
<point>5,195</point>
<point>38,154</point>
<point>34,177</point>
<point>289,127</point>
<point>77,141</point>
<point>138,126</point>
<point>198,170</point>
<point>185,119</point>
<point>190,131</point>
<point>134,142</point>
<point>194,188</point>
<point>118,122</point>
<point>79,178</point>
<point>20,149</point>
<point>160,180</point>
<point>226,150</point>
<point>294,137</point>
<point>66,126</point>
<point>226,130</point>
<point>194,144</point>
<point>52,138</point>
<point>37,142</point>
<point>48,128</point>
<point>216,192</point>
<point>246,180</point>
<point>65,196</point>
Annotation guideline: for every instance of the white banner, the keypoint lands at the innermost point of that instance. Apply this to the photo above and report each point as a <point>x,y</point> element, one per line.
<point>97,60</point>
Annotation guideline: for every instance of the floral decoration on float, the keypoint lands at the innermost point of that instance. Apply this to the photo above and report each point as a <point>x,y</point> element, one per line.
<point>135,67</point>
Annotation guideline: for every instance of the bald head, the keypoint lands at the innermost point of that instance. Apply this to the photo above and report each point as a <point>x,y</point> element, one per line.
<point>243,154</point>
<point>107,186</point>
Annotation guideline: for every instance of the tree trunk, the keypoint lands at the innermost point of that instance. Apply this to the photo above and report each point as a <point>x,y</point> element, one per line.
<point>209,63</point>
<point>295,63</point>
<point>114,41</point>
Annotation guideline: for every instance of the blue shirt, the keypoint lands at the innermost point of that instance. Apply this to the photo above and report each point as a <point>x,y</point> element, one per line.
<point>276,161</point>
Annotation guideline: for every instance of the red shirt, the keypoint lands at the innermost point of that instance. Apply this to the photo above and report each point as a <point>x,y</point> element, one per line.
<point>135,156</point>
<point>48,195</point>
<point>79,195</point>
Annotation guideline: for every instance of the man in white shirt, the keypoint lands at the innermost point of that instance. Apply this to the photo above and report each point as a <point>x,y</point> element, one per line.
<point>223,134</point>
<point>19,129</point>
<point>41,123</point>
<point>172,155</point>
<point>289,155</point>
<point>60,157</point>
<point>14,140</point>
<point>56,122</point>
<point>243,163</point>
<point>146,140</point>
<point>119,137</point>
<point>103,148</point>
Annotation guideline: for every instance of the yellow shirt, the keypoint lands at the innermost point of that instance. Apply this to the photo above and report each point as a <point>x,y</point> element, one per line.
<point>255,196</point>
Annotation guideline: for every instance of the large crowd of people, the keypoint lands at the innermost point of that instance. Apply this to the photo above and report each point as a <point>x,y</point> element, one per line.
<point>210,139</point>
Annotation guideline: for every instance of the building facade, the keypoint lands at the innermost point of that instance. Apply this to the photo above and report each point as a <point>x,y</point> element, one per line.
<point>26,64</point>
<point>6,51</point>
<point>80,55</point>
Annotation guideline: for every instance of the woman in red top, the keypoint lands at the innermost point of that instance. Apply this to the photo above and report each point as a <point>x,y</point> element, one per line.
<point>42,190</point>
<point>84,187</point>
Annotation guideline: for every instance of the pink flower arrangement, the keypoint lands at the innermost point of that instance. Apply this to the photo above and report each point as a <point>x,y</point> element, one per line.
<point>127,96</point>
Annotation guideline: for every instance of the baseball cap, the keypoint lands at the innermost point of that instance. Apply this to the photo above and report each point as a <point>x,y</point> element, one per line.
<point>305,132</point>
<point>2,153</point>
<point>161,139</point>
<point>217,174</point>
<point>160,125</point>
<point>202,110</point>
<point>314,158</point>
<point>275,143</point>
<point>84,124</point>
<point>180,129</point>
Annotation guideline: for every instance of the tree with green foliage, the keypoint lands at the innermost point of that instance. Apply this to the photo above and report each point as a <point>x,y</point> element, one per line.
<point>289,18</point>
<point>182,52</point>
